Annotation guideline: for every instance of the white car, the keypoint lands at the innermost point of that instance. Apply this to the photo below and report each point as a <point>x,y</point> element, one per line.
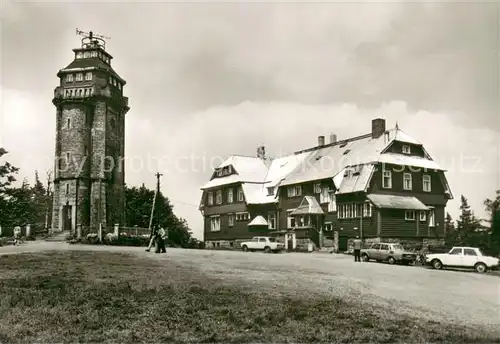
<point>266,244</point>
<point>462,257</point>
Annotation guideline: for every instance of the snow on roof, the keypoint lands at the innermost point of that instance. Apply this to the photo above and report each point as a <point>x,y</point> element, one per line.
<point>401,136</point>
<point>258,221</point>
<point>248,169</point>
<point>357,179</point>
<point>256,193</point>
<point>318,163</point>
<point>396,202</point>
<point>409,160</point>
<point>309,205</point>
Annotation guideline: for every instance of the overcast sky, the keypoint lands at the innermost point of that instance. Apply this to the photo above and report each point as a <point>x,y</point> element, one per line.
<point>208,80</point>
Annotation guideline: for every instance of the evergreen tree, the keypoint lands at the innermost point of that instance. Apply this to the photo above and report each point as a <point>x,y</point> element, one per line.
<point>467,222</point>
<point>448,224</point>
<point>493,211</point>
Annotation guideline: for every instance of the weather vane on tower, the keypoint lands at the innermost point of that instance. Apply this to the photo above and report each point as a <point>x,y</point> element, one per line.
<point>91,39</point>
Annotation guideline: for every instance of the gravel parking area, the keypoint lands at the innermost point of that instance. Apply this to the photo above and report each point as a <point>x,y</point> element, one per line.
<point>462,298</point>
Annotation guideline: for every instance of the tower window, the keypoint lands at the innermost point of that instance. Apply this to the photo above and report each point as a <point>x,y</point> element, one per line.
<point>79,55</point>
<point>119,86</point>
<point>69,123</point>
<point>110,80</point>
<point>79,76</point>
<point>67,189</point>
<point>85,92</point>
<point>94,54</point>
<point>86,54</point>
<point>71,93</point>
<point>69,77</point>
<point>80,91</point>
<point>114,82</point>
<point>88,76</point>
<point>67,158</point>
<point>85,150</point>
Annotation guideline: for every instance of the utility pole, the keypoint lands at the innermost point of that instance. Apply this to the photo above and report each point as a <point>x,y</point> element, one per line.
<point>157,191</point>
<point>158,175</point>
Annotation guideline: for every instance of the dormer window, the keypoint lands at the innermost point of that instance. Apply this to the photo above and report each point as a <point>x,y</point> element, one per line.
<point>270,191</point>
<point>88,76</point>
<point>79,76</point>
<point>69,77</point>
<point>79,55</point>
<point>110,80</point>
<point>406,149</point>
<point>86,54</point>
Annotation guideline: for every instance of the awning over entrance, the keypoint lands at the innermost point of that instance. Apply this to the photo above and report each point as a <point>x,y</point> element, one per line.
<point>258,221</point>
<point>397,202</point>
<point>308,206</point>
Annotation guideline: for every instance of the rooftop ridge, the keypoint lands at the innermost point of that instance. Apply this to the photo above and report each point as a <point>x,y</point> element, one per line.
<point>351,139</point>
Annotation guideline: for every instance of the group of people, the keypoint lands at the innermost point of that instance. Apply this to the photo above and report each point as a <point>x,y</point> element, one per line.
<point>158,238</point>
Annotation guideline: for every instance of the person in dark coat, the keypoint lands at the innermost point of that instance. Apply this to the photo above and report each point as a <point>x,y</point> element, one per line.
<point>161,237</point>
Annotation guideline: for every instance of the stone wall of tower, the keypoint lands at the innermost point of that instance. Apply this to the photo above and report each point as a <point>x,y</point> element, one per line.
<point>55,198</point>
<point>98,187</point>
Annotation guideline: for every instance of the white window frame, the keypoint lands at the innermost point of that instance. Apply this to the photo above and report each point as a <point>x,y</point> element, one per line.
<point>298,190</point>
<point>422,216</point>
<point>410,215</point>
<point>218,197</point>
<point>290,218</point>
<point>230,197</point>
<point>69,78</point>
<point>241,196</point>
<point>367,209</point>
<point>79,77</point>
<point>387,174</point>
<point>407,180</point>
<point>317,188</point>
<point>215,223</point>
<point>324,195</point>
<point>230,220</point>
<point>432,218</point>
<point>332,202</point>
<point>291,191</point>
<point>210,198</point>
<point>426,180</point>
<point>272,219</point>
<point>88,76</point>
<point>406,149</point>
<point>242,216</point>
<point>354,210</point>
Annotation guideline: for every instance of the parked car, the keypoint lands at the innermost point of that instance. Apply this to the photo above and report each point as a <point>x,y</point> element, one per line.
<point>462,257</point>
<point>388,252</point>
<point>266,244</point>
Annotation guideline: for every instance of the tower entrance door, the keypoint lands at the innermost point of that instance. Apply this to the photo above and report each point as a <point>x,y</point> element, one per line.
<point>66,218</point>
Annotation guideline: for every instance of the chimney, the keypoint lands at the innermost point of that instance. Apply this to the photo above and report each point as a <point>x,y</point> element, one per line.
<point>378,127</point>
<point>333,138</point>
<point>261,152</point>
<point>321,140</point>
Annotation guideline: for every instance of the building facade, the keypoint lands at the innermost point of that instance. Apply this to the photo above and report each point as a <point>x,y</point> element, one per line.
<point>89,176</point>
<point>380,186</point>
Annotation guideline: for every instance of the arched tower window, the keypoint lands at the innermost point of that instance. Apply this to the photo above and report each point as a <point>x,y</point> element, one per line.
<point>67,189</point>
<point>69,123</point>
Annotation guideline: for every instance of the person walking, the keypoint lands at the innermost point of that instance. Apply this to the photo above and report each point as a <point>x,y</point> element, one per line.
<point>152,238</point>
<point>162,236</point>
<point>17,235</point>
<point>357,249</point>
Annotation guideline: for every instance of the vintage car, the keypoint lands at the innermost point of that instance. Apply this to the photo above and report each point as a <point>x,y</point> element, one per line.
<point>462,257</point>
<point>266,244</point>
<point>388,252</point>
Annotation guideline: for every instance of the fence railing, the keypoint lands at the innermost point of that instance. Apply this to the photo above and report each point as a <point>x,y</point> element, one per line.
<point>27,230</point>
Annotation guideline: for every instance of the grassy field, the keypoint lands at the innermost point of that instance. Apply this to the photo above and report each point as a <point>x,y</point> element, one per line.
<point>111,297</point>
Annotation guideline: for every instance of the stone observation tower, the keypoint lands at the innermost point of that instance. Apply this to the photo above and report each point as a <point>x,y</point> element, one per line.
<point>89,178</point>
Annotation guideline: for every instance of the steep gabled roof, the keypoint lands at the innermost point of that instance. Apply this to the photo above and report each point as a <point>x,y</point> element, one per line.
<point>247,169</point>
<point>318,163</point>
